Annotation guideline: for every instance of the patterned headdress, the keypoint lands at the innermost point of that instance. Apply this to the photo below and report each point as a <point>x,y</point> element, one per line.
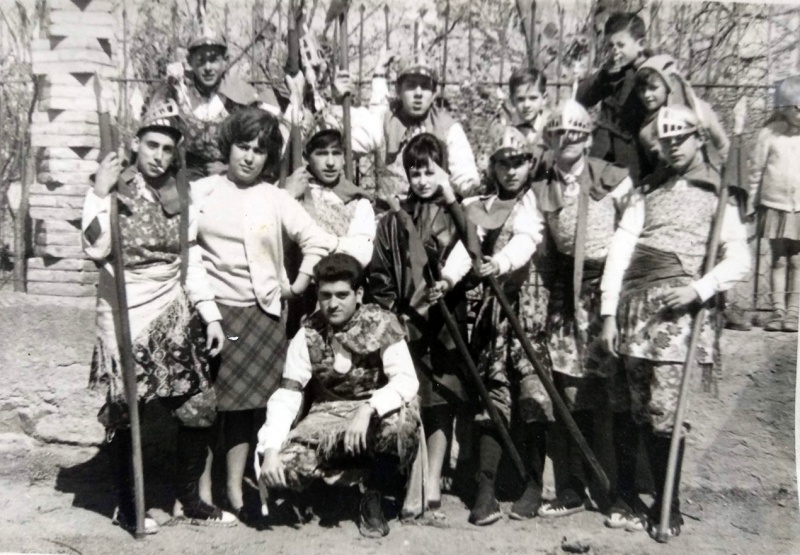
<point>418,66</point>
<point>163,116</point>
<point>569,116</point>
<point>509,142</point>
<point>676,121</point>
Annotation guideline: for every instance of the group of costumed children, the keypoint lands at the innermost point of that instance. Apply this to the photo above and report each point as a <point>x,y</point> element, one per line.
<point>584,225</point>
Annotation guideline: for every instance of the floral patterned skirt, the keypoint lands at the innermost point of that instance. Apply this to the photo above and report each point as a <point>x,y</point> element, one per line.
<point>508,374</point>
<point>315,448</point>
<point>170,362</point>
<point>650,330</point>
<point>577,350</point>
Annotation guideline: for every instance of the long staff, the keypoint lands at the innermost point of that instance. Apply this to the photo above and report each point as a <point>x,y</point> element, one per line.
<point>344,65</point>
<point>477,380</point>
<point>470,240</point>
<point>662,534</point>
<point>122,323</point>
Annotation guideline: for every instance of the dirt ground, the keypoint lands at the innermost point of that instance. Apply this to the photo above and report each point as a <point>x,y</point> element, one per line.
<point>739,487</point>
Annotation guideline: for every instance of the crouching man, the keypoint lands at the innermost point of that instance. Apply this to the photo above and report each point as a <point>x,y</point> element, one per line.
<point>362,426</point>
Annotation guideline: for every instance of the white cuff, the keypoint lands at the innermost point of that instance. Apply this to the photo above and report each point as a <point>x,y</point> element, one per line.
<point>705,287</point>
<point>385,401</point>
<point>209,311</point>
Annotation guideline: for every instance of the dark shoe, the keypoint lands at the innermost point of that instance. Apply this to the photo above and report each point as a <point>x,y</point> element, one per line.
<point>621,516</point>
<point>528,505</point>
<point>736,319</point>
<point>486,509</point>
<point>201,513</point>
<point>371,522</point>
<point>247,515</point>
<point>562,506</point>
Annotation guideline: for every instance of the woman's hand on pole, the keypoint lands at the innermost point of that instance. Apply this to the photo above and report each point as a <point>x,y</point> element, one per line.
<point>107,175</point>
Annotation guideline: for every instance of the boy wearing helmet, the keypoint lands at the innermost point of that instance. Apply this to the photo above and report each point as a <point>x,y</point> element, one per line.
<point>581,199</point>
<point>510,228</point>
<point>173,321</point>
<point>413,112</point>
<point>653,285</point>
<point>206,96</point>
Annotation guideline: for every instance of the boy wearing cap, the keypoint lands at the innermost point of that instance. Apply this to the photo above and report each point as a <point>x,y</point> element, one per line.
<point>653,285</point>
<point>581,199</point>
<point>413,112</point>
<point>171,316</point>
<point>206,95</point>
<point>510,229</point>
<point>621,110</point>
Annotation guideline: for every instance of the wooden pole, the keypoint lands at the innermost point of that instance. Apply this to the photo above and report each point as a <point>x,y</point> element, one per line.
<point>444,47</point>
<point>122,319</point>
<point>174,44</point>
<point>124,84</point>
<point>559,51</point>
<point>361,11</point>
<point>690,58</point>
<point>253,23</point>
<point>470,44</point>
<point>387,30</point>
<point>711,46</point>
<point>347,100</point>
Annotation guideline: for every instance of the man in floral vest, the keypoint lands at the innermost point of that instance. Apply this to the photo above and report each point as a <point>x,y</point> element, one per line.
<point>362,426</point>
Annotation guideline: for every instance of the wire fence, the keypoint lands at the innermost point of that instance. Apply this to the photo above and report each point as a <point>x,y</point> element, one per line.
<point>726,51</point>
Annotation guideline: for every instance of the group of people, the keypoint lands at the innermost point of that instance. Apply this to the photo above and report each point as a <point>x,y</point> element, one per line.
<point>331,331</point>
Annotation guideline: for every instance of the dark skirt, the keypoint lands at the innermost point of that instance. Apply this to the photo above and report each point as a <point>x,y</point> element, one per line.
<point>250,367</point>
<point>778,224</point>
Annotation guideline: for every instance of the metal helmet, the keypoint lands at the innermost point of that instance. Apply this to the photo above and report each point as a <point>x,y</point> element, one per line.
<point>572,119</point>
<point>787,92</point>
<point>208,37</point>
<point>418,66</point>
<point>162,116</point>
<point>676,121</point>
<point>509,142</point>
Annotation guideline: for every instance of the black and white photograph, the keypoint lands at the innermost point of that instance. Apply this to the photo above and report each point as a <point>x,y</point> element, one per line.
<point>427,277</point>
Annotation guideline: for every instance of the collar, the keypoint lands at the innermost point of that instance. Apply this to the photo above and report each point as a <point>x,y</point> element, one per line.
<point>133,185</point>
<point>344,189</point>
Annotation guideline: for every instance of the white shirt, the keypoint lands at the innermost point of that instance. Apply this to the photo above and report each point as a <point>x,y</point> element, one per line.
<point>732,268</point>
<point>284,405</point>
<point>526,232</point>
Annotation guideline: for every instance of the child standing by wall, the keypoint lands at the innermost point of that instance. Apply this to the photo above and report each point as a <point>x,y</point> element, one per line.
<point>653,285</point>
<point>775,165</point>
<point>527,89</point>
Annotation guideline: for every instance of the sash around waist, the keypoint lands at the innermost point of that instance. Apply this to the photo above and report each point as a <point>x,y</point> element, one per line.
<point>649,266</point>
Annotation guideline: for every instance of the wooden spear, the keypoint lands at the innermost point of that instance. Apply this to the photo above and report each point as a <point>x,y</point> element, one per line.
<point>662,534</point>
<point>344,65</point>
<point>108,143</point>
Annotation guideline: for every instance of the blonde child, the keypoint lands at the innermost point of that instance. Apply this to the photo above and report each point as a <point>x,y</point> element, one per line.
<point>776,196</point>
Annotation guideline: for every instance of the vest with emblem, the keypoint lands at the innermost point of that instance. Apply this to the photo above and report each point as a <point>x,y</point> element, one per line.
<point>370,330</point>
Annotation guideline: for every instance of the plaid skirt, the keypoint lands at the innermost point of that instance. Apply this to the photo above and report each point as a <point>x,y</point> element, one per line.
<point>250,366</point>
<point>778,224</point>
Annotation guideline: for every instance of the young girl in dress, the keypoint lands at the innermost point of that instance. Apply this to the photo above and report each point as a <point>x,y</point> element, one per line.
<point>774,188</point>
